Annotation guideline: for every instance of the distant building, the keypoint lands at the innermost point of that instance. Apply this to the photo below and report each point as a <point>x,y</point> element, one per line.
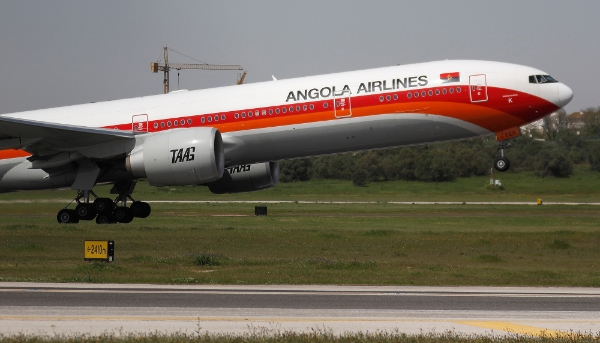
<point>576,120</point>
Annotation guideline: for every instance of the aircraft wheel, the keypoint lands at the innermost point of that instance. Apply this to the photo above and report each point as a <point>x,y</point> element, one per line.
<point>104,205</point>
<point>140,209</point>
<point>502,164</point>
<point>105,218</point>
<point>123,215</point>
<point>66,216</point>
<point>85,211</point>
<point>147,211</point>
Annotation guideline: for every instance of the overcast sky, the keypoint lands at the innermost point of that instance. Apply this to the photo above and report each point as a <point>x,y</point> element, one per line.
<point>57,53</point>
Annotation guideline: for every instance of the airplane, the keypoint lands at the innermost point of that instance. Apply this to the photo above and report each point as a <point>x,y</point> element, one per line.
<point>230,138</point>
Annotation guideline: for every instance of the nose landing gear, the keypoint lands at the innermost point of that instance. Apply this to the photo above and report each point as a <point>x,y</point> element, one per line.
<point>105,210</point>
<point>502,163</point>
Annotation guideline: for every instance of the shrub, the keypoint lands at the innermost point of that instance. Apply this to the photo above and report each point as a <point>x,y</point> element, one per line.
<point>553,162</point>
<point>295,170</point>
<point>360,177</point>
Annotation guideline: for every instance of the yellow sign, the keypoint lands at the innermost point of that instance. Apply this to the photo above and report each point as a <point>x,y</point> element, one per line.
<point>99,250</point>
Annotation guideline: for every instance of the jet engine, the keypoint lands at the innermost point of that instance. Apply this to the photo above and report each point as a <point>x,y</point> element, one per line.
<point>178,157</point>
<point>247,178</point>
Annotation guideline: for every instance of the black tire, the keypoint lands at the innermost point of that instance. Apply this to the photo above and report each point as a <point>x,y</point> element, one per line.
<point>147,211</point>
<point>66,216</point>
<point>137,209</point>
<point>502,164</point>
<point>104,205</point>
<point>104,219</point>
<point>85,211</point>
<point>123,215</point>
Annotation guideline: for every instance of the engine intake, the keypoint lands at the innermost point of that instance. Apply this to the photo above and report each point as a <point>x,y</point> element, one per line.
<point>179,157</point>
<point>247,178</point>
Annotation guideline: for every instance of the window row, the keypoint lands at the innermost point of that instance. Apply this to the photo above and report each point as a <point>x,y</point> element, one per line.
<point>430,92</point>
<point>270,111</point>
<point>174,123</point>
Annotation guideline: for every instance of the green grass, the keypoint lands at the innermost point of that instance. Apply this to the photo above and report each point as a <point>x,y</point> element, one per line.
<point>313,244</point>
<point>306,243</point>
<point>582,186</point>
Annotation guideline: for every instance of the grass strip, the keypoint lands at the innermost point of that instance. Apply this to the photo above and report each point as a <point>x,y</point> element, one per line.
<point>262,334</point>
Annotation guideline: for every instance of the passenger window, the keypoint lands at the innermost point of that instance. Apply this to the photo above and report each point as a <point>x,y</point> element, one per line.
<point>291,109</point>
<point>175,122</point>
<point>297,108</point>
<point>182,122</point>
<point>277,111</point>
<point>216,118</point>
<point>451,90</point>
<point>416,94</point>
<point>243,114</point>
<point>381,98</point>
<point>169,123</point>
<point>312,107</point>
<point>256,113</point>
<point>457,89</point>
<point>249,114</point>
<point>189,122</point>
<point>162,124</point>
<point>156,125</point>
<point>423,93</point>
<point>270,111</point>
<point>409,95</point>
<point>202,119</point>
<point>283,110</point>
<point>388,98</point>
<point>444,91</point>
<point>209,119</point>
<point>395,96</point>
<point>430,92</point>
<point>222,117</point>
<point>437,92</point>
<point>304,108</point>
<point>325,105</point>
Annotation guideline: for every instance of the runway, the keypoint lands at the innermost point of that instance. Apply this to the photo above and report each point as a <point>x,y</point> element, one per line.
<point>36,308</point>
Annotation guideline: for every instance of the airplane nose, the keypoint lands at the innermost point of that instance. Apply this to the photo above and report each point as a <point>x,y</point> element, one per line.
<point>565,94</point>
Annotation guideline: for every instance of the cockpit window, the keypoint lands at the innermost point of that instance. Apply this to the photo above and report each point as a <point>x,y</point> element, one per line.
<point>541,79</point>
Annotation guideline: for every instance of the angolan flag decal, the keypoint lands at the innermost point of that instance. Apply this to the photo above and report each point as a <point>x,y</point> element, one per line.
<point>450,77</point>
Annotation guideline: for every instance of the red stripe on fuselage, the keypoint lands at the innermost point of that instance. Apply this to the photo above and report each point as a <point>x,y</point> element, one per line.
<point>496,114</point>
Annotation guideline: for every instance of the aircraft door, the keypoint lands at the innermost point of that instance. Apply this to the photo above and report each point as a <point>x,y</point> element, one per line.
<point>342,107</point>
<point>478,88</point>
<point>139,123</point>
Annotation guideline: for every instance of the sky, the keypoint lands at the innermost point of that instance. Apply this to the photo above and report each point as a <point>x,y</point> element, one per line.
<point>59,53</point>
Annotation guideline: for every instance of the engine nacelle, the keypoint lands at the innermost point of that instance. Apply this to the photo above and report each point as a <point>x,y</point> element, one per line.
<point>179,157</point>
<point>247,178</point>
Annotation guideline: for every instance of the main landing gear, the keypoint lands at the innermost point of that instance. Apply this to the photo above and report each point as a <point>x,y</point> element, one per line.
<point>105,210</point>
<point>502,163</point>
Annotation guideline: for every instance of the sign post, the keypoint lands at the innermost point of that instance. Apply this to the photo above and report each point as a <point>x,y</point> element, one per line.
<point>99,251</point>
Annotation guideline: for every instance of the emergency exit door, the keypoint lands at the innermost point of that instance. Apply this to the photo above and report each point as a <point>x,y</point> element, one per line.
<point>342,107</point>
<point>478,88</point>
<point>139,123</point>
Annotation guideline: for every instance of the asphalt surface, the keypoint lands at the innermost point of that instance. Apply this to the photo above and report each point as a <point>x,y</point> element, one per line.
<point>84,308</point>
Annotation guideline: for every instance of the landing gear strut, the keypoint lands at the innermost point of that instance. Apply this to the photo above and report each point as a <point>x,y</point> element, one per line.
<point>502,163</point>
<point>105,210</point>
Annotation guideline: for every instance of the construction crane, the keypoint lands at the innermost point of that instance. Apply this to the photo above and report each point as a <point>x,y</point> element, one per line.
<point>155,67</point>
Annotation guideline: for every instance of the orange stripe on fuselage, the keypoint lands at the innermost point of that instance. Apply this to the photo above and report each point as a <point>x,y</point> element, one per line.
<point>12,153</point>
<point>495,115</point>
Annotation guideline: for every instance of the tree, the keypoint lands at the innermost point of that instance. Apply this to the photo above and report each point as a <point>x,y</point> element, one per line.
<point>295,170</point>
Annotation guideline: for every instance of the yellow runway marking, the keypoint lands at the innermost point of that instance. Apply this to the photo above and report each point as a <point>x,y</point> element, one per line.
<point>514,328</point>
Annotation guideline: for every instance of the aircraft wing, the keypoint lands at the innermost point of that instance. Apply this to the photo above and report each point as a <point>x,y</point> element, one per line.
<point>46,138</point>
